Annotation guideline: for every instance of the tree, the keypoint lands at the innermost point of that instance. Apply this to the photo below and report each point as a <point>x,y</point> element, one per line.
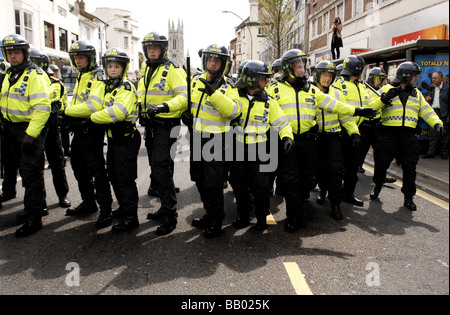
<point>278,21</point>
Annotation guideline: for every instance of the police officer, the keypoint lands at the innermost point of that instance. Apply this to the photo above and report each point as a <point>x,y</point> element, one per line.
<point>87,159</point>
<point>3,68</point>
<point>53,144</point>
<point>300,102</point>
<point>215,103</point>
<point>259,112</point>
<point>163,96</point>
<point>330,166</point>
<point>120,114</point>
<point>25,108</point>
<point>65,133</point>
<point>404,105</point>
<point>355,94</point>
<point>277,69</point>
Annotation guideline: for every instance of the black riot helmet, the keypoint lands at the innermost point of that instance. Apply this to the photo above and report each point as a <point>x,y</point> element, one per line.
<point>253,71</point>
<point>324,66</point>
<point>289,59</point>
<point>339,69</point>
<point>277,66</point>
<point>15,41</point>
<point>406,71</point>
<point>40,59</point>
<point>215,51</point>
<point>82,48</point>
<point>375,73</point>
<point>241,67</point>
<point>116,55</point>
<point>353,65</point>
<point>155,39</point>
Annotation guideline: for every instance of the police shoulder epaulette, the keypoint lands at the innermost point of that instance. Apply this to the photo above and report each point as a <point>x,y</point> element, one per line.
<point>38,70</point>
<point>176,65</point>
<point>127,85</point>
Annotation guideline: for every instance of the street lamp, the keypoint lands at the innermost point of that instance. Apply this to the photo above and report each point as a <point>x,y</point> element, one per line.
<point>251,37</point>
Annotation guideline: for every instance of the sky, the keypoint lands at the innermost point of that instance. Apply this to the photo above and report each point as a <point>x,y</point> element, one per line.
<point>204,22</point>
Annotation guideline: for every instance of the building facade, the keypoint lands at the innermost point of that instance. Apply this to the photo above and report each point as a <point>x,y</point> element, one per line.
<point>175,50</point>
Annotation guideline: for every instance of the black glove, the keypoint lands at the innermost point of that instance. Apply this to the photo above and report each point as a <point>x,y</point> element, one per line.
<point>393,92</point>
<point>288,144</point>
<point>28,144</point>
<point>365,112</point>
<point>210,89</point>
<point>157,109</point>
<point>356,140</point>
<point>439,129</point>
<point>187,118</point>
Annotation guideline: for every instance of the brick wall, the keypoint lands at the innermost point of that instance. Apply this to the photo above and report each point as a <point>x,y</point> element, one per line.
<point>348,9</point>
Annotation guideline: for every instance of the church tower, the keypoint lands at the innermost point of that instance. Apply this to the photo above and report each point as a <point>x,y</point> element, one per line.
<point>176,43</point>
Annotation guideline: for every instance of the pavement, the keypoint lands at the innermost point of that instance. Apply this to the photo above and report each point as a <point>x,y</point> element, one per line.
<point>432,174</point>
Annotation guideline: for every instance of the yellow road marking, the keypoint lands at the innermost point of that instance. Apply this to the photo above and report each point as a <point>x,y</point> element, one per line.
<point>271,220</point>
<point>420,193</point>
<point>297,279</point>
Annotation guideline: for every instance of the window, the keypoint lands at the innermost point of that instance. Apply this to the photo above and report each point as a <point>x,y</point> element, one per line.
<point>174,44</point>
<point>314,28</point>
<point>125,42</point>
<point>326,22</point>
<point>49,33</point>
<point>73,38</point>
<point>87,33</point>
<point>125,25</point>
<point>358,7</point>
<point>24,24</point>
<point>340,11</point>
<point>62,39</point>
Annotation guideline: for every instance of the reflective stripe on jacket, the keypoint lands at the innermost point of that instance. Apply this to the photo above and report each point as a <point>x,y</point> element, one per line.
<point>28,100</point>
<point>214,113</point>
<point>167,85</point>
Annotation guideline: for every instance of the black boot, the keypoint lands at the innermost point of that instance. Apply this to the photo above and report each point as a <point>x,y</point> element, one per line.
<point>261,224</point>
<point>201,223</point>
<point>353,200</point>
<point>168,224</point>
<point>64,202</point>
<point>321,197</point>
<point>336,212</point>
<point>124,226</point>
<point>213,230</point>
<point>292,225</point>
<point>375,192</point>
<point>241,222</point>
<point>29,228</point>
<point>118,213</point>
<point>155,216</point>
<point>82,209</point>
<point>409,204</point>
<point>104,220</point>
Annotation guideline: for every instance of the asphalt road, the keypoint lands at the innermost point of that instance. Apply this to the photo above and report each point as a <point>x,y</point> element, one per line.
<point>381,248</point>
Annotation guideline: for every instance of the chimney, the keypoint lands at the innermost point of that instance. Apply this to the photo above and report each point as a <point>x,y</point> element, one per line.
<point>82,5</point>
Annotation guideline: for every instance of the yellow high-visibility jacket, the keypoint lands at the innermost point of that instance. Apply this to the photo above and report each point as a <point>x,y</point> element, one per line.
<point>214,113</point>
<point>258,116</point>
<point>119,105</point>
<point>397,115</point>
<point>301,107</point>
<point>58,93</point>
<point>356,94</point>
<point>27,100</point>
<point>329,122</point>
<point>167,85</point>
<point>88,95</point>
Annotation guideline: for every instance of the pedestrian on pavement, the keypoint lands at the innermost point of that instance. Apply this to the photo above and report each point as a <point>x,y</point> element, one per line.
<point>336,39</point>
<point>53,144</point>
<point>88,162</point>
<point>438,97</point>
<point>355,94</point>
<point>25,108</point>
<point>330,165</point>
<point>260,112</point>
<point>119,115</point>
<point>163,96</point>
<point>404,105</point>
<point>300,101</point>
<point>215,103</point>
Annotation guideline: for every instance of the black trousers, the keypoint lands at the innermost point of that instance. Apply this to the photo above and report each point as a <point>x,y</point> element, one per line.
<point>297,172</point>
<point>330,166</point>
<point>401,144</point>
<point>89,167</point>
<point>350,165</point>
<point>29,164</point>
<point>369,137</point>
<point>159,145</point>
<point>246,176</point>
<point>208,176</point>
<point>122,171</point>
<point>55,157</point>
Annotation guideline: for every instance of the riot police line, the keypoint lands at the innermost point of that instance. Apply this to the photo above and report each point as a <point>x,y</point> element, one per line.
<point>238,131</point>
